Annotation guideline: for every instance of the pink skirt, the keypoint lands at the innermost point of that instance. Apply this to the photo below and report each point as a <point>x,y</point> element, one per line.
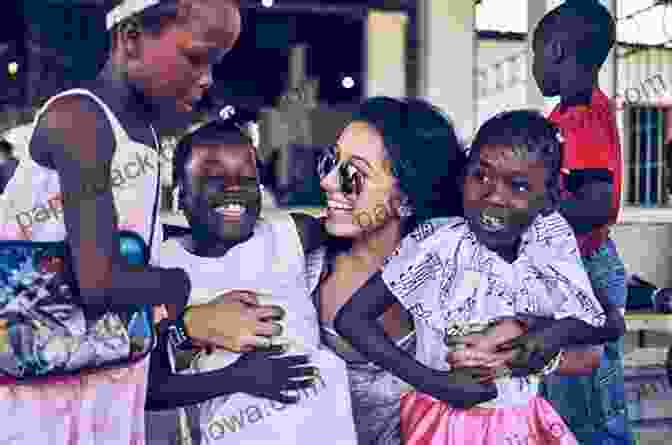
<point>427,421</point>
<point>103,408</point>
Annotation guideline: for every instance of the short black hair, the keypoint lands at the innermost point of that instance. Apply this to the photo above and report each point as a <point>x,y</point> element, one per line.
<point>528,129</point>
<point>586,25</point>
<point>218,131</point>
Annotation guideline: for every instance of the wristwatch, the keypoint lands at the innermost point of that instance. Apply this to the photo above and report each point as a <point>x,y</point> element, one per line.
<point>177,333</point>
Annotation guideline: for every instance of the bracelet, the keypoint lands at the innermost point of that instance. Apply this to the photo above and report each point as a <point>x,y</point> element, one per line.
<point>177,333</point>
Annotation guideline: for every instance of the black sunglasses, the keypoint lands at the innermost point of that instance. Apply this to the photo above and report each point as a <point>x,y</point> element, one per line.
<point>350,179</point>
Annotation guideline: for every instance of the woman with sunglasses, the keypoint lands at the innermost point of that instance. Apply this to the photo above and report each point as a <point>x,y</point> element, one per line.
<point>394,166</point>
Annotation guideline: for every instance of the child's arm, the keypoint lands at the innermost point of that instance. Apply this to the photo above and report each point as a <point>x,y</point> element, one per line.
<point>537,347</point>
<point>591,203</point>
<point>83,161</point>
<point>575,361</point>
<point>356,321</point>
<point>478,351</point>
<point>262,374</point>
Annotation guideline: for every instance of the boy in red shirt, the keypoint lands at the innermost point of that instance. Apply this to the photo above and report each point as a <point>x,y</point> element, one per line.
<point>567,63</point>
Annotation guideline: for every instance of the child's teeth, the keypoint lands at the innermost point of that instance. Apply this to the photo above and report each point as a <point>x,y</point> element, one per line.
<point>230,207</point>
<point>492,221</point>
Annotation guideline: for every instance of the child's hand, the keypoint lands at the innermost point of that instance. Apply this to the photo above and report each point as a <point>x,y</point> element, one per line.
<point>459,388</point>
<point>264,374</point>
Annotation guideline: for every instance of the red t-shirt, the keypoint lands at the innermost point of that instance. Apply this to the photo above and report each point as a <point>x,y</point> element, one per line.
<point>591,141</point>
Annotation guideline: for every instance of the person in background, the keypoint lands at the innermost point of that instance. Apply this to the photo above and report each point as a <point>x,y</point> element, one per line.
<point>570,45</point>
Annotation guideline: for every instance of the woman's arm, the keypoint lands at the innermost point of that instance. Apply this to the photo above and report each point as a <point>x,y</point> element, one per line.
<point>236,323</point>
<point>74,137</point>
<point>356,321</point>
<point>262,374</point>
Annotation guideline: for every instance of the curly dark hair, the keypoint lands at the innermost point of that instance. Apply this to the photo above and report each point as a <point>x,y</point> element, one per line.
<point>424,150</point>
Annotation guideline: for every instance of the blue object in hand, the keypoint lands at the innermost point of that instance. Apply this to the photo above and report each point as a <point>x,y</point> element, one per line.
<point>133,248</point>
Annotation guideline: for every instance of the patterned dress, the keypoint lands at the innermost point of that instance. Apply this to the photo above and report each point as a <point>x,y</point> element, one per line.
<point>451,283</point>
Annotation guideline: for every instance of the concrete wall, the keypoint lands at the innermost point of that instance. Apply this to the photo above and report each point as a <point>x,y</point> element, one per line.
<point>644,240</point>
<point>507,99</point>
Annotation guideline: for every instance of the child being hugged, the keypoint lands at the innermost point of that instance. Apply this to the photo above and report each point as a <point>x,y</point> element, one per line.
<point>479,275</point>
<point>232,253</point>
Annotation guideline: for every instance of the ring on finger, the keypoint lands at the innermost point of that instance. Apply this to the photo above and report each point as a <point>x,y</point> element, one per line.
<point>264,342</point>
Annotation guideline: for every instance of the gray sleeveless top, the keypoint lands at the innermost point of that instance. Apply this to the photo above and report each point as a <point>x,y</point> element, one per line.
<point>375,392</point>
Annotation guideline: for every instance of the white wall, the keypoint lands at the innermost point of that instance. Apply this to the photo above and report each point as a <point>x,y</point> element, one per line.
<point>509,99</point>
<point>502,74</point>
<point>645,249</point>
<point>634,70</point>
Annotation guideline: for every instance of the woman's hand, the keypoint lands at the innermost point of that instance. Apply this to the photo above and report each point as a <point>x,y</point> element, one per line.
<point>235,321</point>
<point>266,374</point>
<point>472,354</point>
<point>478,351</point>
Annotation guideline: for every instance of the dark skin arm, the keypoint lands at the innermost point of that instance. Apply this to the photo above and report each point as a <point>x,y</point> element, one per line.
<point>75,138</point>
<point>547,337</point>
<point>591,204</point>
<point>255,373</point>
<point>260,373</point>
<point>356,321</point>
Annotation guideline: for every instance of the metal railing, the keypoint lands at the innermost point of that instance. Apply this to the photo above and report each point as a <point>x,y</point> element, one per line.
<point>647,181</point>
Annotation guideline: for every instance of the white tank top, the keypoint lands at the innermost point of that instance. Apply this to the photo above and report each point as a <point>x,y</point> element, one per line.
<point>31,206</point>
<point>271,263</point>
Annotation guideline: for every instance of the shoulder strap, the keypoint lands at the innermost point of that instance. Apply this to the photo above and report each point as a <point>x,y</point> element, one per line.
<point>119,132</point>
<point>290,254</point>
<point>116,125</point>
<point>155,210</point>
